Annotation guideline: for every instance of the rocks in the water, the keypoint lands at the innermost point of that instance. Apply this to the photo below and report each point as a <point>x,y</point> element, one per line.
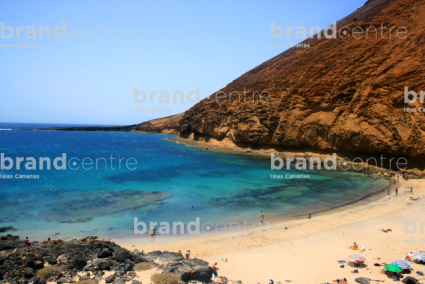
<point>7,228</point>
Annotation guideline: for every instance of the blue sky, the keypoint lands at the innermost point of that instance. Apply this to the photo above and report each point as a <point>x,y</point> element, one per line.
<point>178,46</point>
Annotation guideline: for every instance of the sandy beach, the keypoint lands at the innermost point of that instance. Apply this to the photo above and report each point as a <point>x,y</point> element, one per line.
<point>307,250</point>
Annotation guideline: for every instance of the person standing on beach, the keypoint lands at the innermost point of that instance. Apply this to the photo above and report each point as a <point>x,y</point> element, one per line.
<point>389,191</point>
<point>262,217</point>
<point>187,254</point>
<point>215,268</point>
<point>411,190</point>
<point>396,190</point>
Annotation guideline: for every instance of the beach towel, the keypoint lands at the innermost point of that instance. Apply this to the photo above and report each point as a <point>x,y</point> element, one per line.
<point>359,250</point>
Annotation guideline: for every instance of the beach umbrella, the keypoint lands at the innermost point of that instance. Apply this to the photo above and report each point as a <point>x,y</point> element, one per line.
<point>402,264</point>
<point>357,257</point>
<point>393,268</point>
<point>419,256</point>
<point>341,261</point>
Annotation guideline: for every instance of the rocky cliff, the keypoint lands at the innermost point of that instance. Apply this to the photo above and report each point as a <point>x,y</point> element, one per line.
<point>337,95</point>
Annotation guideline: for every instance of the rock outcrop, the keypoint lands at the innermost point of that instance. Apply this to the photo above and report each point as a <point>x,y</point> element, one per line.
<point>168,124</point>
<point>338,95</point>
<point>66,260</point>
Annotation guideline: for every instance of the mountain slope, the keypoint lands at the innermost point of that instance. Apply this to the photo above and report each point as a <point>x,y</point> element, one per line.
<point>338,95</point>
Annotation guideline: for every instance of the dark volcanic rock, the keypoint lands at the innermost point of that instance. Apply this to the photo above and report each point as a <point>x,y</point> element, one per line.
<point>121,255</point>
<point>186,269</point>
<point>28,272</point>
<point>7,228</point>
<point>81,255</point>
<point>98,264</point>
<point>104,254</point>
<point>119,281</point>
<point>109,279</point>
<point>79,263</point>
<point>51,260</point>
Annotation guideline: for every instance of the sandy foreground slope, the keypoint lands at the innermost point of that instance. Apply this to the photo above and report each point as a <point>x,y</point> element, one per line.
<point>308,250</point>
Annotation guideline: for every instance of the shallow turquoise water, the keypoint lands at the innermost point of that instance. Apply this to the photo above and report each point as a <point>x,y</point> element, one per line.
<point>172,177</point>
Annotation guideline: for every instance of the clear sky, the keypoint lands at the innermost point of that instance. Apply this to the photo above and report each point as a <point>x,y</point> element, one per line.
<point>178,46</point>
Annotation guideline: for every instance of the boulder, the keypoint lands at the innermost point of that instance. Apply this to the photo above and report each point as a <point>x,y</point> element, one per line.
<point>98,264</point>
<point>7,228</point>
<point>28,272</point>
<point>104,254</point>
<point>79,263</point>
<point>52,261</point>
<point>109,279</point>
<point>121,255</point>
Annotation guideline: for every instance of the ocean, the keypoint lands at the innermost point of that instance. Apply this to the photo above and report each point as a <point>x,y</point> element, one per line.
<point>168,179</point>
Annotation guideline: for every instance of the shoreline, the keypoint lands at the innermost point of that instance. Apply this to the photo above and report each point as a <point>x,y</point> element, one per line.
<point>265,152</point>
<point>326,235</point>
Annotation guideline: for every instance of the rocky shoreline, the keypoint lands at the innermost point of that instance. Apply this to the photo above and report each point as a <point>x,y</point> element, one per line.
<point>88,259</point>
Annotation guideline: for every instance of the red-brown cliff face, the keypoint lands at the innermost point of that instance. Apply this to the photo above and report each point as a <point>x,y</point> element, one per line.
<point>338,95</point>
<point>168,124</point>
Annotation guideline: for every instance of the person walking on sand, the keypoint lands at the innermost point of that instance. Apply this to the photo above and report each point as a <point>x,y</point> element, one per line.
<point>396,190</point>
<point>215,268</point>
<point>262,217</point>
<point>411,190</point>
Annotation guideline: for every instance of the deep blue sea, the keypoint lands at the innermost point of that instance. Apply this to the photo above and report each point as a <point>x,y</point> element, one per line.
<point>167,181</point>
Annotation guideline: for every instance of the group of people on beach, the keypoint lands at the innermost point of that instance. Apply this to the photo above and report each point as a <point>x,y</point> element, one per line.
<point>187,254</point>
<point>396,189</point>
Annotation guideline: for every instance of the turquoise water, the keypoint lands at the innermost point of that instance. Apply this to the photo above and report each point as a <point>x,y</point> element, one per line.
<point>168,179</point>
